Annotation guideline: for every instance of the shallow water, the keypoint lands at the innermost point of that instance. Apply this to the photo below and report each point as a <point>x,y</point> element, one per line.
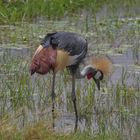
<point>105,112</point>
<point>123,63</point>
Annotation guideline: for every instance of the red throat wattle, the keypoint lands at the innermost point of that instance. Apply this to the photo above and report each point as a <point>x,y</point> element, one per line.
<point>89,76</point>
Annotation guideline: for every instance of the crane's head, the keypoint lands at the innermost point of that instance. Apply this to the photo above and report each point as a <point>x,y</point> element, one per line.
<point>43,60</point>
<point>92,73</point>
<point>98,67</point>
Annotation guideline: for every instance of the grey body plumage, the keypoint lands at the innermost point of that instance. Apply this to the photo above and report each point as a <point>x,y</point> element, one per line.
<point>75,47</point>
<point>72,43</point>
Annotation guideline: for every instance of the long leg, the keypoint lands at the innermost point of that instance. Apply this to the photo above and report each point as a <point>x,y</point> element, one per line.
<point>74,101</point>
<point>53,98</point>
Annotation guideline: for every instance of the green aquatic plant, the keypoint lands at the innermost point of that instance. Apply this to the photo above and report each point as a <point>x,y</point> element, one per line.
<point>13,11</point>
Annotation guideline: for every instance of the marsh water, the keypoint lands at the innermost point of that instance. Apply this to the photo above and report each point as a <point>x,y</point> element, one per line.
<point>27,99</point>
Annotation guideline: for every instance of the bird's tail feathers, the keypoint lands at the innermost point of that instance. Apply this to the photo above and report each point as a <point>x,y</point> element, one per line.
<point>102,63</point>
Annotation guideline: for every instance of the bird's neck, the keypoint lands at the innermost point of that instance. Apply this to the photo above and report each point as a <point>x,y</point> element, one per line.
<point>79,75</point>
<point>86,70</point>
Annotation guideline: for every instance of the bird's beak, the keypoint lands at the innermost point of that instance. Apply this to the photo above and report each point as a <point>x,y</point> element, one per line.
<point>97,77</point>
<point>97,82</point>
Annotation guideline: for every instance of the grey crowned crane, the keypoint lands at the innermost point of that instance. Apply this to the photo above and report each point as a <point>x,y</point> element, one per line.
<point>66,49</point>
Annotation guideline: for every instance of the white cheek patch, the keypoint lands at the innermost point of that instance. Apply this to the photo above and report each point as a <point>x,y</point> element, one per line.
<point>97,75</point>
<point>86,69</point>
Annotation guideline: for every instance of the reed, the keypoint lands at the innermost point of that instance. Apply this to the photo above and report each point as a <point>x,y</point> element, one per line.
<point>18,10</point>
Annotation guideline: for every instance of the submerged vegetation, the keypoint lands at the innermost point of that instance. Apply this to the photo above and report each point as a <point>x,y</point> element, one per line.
<point>111,28</point>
